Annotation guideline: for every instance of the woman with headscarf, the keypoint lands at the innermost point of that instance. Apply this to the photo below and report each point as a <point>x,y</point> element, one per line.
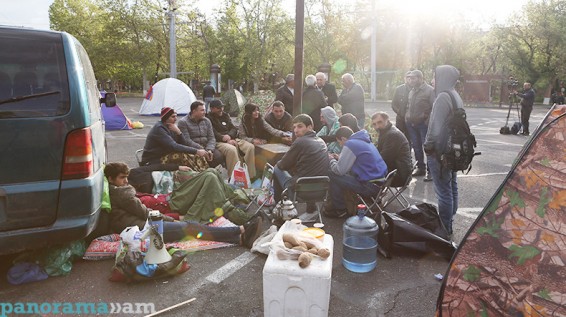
<point>255,129</point>
<point>330,123</point>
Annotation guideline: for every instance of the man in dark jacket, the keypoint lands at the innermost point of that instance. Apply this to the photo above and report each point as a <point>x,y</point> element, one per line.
<point>527,101</point>
<point>421,98</point>
<point>307,156</point>
<point>352,99</point>
<point>208,93</point>
<point>328,89</point>
<point>227,141</point>
<point>285,93</point>
<point>166,138</point>
<point>399,104</point>
<point>394,148</point>
<point>279,118</point>
<point>313,101</point>
<point>357,166</point>
<point>445,181</point>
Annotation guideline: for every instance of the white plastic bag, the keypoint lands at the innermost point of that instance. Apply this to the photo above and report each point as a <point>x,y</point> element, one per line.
<point>240,176</point>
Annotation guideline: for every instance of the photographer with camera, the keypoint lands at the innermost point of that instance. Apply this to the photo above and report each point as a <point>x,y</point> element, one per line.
<point>527,101</point>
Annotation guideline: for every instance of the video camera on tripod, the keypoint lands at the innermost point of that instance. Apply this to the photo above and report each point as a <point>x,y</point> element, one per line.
<point>512,85</point>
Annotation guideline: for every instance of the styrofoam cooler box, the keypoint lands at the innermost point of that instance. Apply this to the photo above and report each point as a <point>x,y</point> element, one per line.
<point>289,290</point>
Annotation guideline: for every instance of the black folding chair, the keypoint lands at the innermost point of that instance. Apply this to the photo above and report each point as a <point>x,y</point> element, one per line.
<point>311,190</point>
<point>376,201</point>
<point>397,192</point>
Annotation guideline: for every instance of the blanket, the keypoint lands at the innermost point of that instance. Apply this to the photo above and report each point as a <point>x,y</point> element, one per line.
<point>105,247</point>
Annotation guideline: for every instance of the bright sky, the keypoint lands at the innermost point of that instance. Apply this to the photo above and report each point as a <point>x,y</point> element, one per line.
<point>34,13</point>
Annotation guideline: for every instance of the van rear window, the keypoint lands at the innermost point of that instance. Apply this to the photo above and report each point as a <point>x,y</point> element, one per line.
<point>33,75</point>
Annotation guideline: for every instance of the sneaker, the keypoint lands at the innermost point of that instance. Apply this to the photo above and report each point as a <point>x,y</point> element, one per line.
<point>428,177</point>
<point>309,217</point>
<point>252,229</point>
<point>336,213</point>
<point>419,172</point>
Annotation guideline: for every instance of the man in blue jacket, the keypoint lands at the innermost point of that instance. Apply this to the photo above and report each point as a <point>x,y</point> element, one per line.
<point>357,166</point>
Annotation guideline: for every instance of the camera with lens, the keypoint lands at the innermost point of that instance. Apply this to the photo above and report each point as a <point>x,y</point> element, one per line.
<point>512,83</point>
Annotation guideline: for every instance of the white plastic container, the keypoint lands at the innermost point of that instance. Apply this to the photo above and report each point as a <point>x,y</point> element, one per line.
<point>289,290</point>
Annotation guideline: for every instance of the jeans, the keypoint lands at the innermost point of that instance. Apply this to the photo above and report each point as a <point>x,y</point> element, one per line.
<point>417,132</point>
<point>446,189</point>
<point>176,231</point>
<point>207,101</point>
<point>281,181</point>
<point>338,184</point>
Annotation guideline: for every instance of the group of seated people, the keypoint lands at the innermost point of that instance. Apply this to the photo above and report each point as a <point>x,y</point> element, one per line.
<point>339,149</point>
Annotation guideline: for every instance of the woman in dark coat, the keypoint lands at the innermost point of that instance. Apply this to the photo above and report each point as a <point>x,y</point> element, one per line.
<point>255,129</point>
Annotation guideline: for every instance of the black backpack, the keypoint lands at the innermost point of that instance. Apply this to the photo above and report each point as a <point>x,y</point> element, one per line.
<point>461,141</point>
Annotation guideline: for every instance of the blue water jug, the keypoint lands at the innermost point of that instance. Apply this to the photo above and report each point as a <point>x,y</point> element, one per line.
<point>359,252</point>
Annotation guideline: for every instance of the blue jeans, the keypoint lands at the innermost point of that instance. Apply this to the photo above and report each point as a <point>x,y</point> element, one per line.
<point>417,132</point>
<point>281,181</point>
<point>446,189</point>
<point>338,184</point>
<point>176,231</point>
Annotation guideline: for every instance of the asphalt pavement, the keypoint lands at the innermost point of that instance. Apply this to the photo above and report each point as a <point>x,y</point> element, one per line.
<point>228,282</point>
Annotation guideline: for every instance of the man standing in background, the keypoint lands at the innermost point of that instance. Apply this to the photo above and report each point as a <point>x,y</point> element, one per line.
<point>328,89</point>
<point>208,93</point>
<point>285,93</point>
<point>399,104</point>
<point>527,101</point>
<point>352,99</point>
<point>421,98</point>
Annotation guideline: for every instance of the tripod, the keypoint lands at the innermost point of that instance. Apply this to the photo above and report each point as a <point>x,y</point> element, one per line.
<point>512,102</point>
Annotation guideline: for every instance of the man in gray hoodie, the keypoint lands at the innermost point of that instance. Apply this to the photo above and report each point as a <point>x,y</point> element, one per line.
<point>436,143</point>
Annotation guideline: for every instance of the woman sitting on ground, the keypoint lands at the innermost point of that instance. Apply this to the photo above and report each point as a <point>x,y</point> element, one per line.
<point>256,130</point>
<point>128,210</point>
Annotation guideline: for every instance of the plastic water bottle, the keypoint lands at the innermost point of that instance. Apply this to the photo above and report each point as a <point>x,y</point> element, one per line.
<point>359,252</point>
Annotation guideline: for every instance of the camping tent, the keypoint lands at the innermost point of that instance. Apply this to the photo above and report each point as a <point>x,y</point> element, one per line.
<point>233,101</point>
<point>114,118</point>
<point>512,260</point>
<point>168,92</point>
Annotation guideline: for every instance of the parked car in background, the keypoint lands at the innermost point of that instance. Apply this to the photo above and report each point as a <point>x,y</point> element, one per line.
<point>52,141</point>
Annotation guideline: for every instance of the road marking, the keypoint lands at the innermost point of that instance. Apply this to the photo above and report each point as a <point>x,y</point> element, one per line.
<point>482,175</point>
<point>231,267</point>
<point>471,213</point>
<point>499,142</point>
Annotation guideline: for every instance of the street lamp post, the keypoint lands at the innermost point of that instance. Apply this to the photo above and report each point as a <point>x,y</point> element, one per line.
<point>172,39</point>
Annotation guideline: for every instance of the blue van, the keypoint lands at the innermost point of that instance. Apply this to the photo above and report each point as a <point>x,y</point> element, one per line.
<point>52,141</point>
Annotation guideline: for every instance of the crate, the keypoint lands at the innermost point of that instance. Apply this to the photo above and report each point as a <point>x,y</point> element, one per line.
<point>289,290</point>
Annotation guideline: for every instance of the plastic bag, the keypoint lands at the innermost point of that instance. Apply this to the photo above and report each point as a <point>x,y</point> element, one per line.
<point>240,176</point>
<point>56,260</point>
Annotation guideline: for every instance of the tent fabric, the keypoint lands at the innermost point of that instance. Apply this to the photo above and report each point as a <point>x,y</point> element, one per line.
<point>168,92</point>
<point>115,119</point>
<point>512,260</point>
<point>233,102</point>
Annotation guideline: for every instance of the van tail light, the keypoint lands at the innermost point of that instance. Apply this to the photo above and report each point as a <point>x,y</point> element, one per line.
<point>77,162</point>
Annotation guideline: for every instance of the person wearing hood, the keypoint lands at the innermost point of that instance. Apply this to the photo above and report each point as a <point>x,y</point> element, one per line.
<point>444,179</point>
<point>358,165</point>
<point>330,123</point>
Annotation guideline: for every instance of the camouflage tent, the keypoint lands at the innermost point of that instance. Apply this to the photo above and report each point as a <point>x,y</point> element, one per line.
<point>233,101</point>
<point>512,260</point>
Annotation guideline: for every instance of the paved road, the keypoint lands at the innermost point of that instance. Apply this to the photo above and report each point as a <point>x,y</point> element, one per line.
<point>229,281</point>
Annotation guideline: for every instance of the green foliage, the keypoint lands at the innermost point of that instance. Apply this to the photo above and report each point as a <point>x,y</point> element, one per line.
<point>515,199</point>
<point>544,293</point>
<point>472,273</point>
<point>545,198</point>
<point>523,253</point>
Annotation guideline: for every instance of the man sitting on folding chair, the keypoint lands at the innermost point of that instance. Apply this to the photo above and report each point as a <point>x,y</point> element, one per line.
<point>356,169</point>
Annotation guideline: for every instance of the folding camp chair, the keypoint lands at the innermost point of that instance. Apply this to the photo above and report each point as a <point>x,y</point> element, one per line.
<point>261,196</point>
<point>311,190</point>
<point>139,154</point>
<point>397,192</point>
<point>376,201</point>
